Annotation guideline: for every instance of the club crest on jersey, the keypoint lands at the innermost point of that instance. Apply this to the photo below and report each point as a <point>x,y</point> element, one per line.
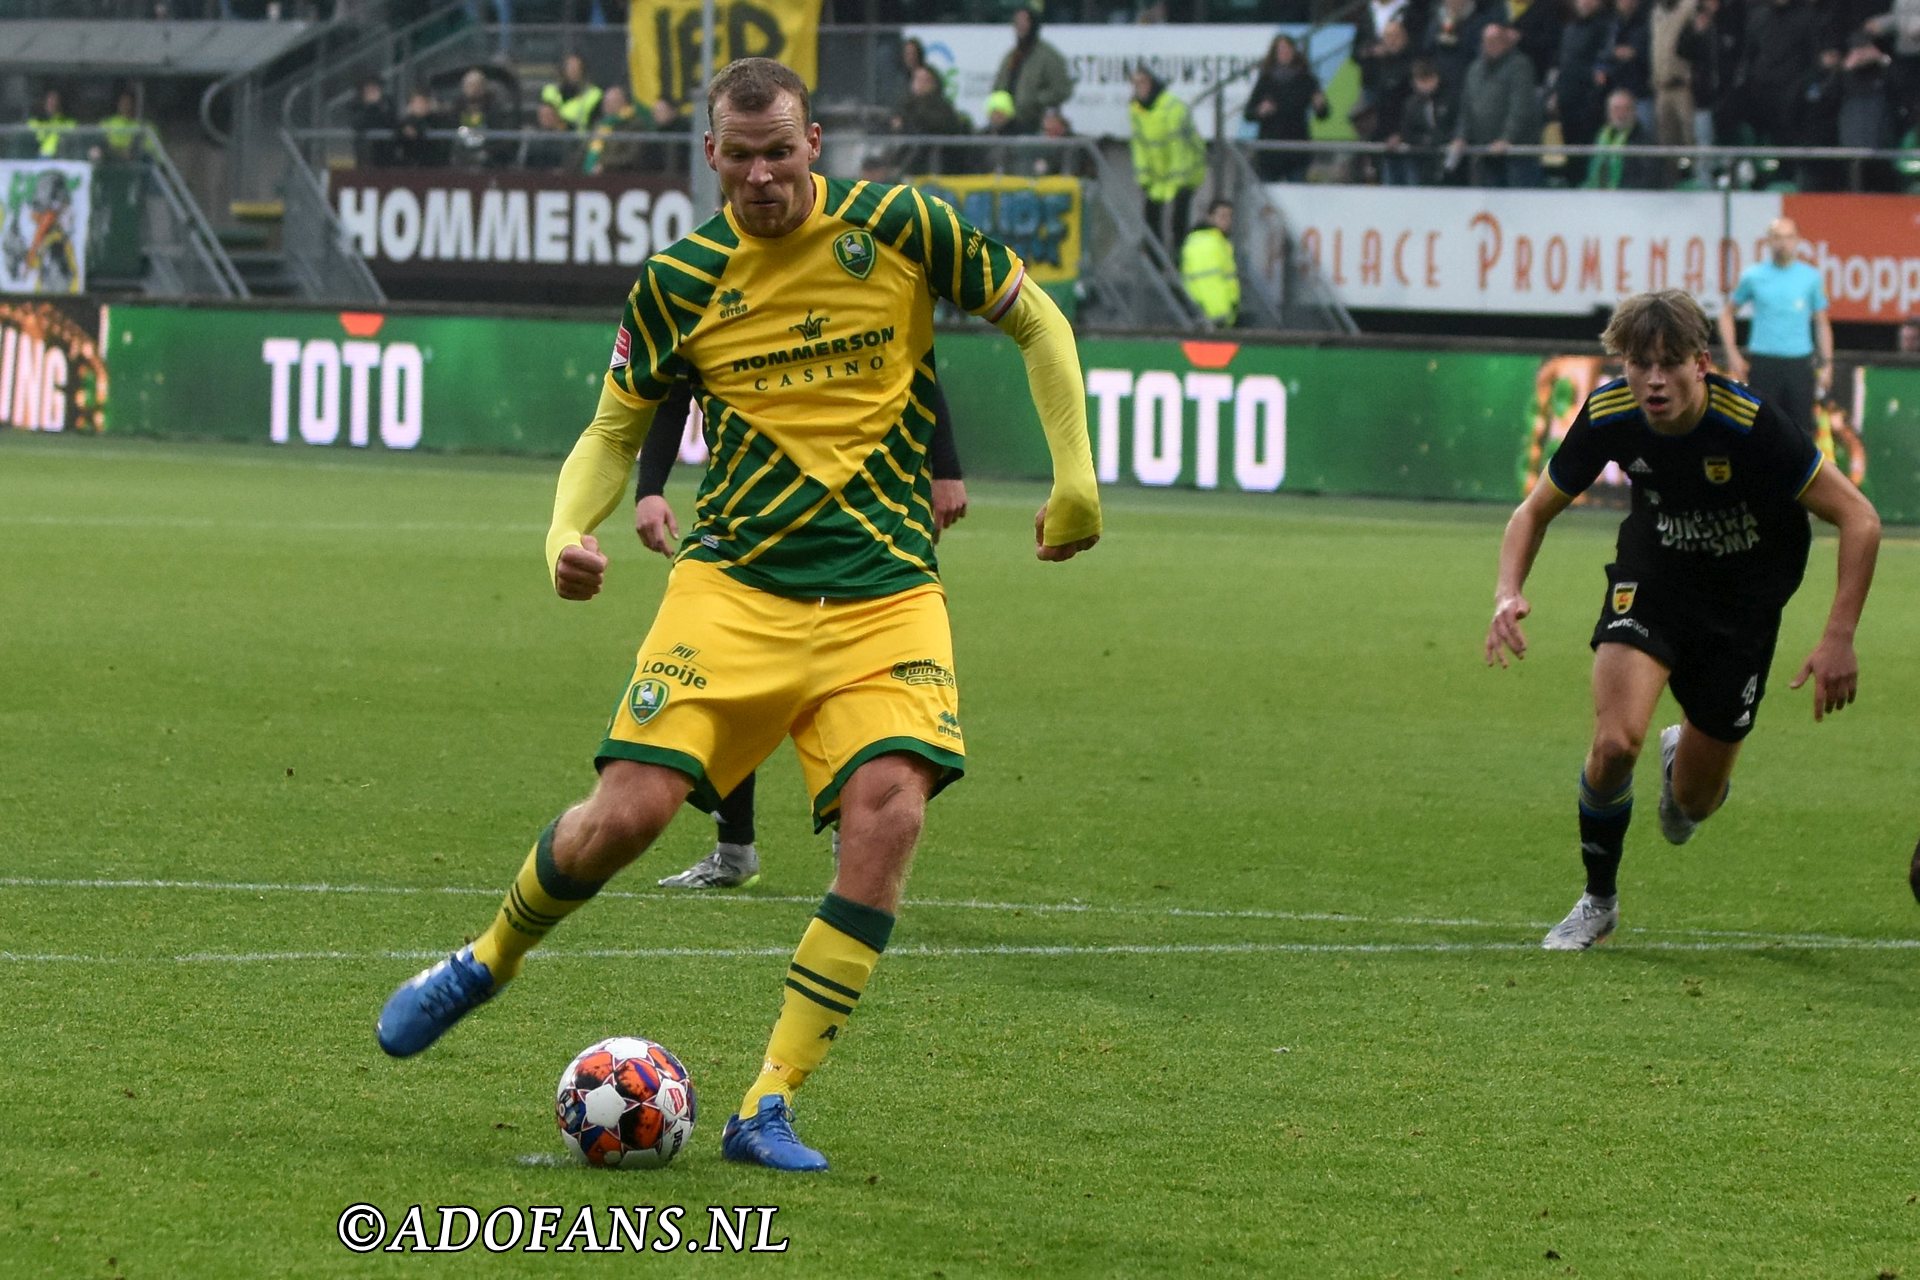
<point>854,252</point>
<point>1719,470</point>
<point>622,349</point>
<point>1623,593</point>
<point>646,698</point>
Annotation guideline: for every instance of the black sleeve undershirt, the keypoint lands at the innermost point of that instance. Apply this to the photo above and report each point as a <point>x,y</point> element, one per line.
<point>662,445</point>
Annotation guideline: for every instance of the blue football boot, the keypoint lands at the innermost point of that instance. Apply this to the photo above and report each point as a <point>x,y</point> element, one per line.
<point>766,1137</point>
<point>430,1002</point>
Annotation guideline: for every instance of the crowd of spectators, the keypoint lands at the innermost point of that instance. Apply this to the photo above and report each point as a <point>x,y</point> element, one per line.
<point>1690,73</point>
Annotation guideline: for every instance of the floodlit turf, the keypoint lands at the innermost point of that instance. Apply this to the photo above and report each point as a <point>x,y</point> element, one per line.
<point>1222,961</point>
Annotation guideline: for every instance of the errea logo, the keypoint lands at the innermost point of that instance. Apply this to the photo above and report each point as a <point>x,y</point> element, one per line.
<point>732,303</point>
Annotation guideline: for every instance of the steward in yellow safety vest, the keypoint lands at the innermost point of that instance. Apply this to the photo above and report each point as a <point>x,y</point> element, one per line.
<point>1169,160</point>
<point>50,126</point>
<point>123,128</point>
<point>577,101</point>
<point>1208,269</point>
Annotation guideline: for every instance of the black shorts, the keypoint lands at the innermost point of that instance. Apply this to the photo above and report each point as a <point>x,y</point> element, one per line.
<point>1717,658</point>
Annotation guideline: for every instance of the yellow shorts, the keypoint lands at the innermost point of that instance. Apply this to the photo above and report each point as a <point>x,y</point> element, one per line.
<point>727,671</point>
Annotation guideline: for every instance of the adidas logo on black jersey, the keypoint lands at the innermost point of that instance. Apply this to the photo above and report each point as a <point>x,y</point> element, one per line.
<point>1639,467</point>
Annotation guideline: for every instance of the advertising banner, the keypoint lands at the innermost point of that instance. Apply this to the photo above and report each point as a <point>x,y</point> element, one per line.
<point>663,42</point>
<point>52,375</point>
<point>1189,58</point>
<point>1204,415</point>
<point>1867,249</point>
<point>1540,252</point>
<point>508,235</point>
<point>43,241</point>
<point>1471,425</point>
<point>357,379</point>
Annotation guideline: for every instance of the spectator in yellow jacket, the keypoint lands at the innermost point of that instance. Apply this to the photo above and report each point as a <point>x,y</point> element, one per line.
<point>1169,160</point>
<point>1208,268</point>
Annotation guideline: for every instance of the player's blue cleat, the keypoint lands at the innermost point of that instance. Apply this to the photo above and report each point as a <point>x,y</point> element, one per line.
<point>430,1002</point>
<point>766,1137</point>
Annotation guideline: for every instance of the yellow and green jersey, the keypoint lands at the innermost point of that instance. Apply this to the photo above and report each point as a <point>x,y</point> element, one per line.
<point>812,357</point>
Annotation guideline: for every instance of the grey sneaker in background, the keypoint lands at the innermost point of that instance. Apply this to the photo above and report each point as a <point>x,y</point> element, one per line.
<point>729,866</point>
<point>1676,826</point>
<point>1591,920</point>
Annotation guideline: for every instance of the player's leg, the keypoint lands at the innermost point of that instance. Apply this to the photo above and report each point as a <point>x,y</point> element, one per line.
<point>1627,682</point>
<point>734,862</point>
<point>1696,770</point>
<point>882,806</point>
<point>699,713</point>
<point>1719,684</point>
<point>577,854</point>
<point>873,750</point>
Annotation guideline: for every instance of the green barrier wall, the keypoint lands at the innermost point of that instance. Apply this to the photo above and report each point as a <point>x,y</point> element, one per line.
<point>1349,420</point>
<point>1205,415</point>
<point>452,383</point>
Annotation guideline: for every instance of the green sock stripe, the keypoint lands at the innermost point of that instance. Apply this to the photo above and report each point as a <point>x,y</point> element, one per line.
<point>518,907</point>
<point>554,882</point>
<point>819,999</point>
<point>828,983</point>
<point>864,924</point>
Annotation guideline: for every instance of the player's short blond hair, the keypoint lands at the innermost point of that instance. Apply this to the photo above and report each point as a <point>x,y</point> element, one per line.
<point>754,84</point>
<point>1658,327</point>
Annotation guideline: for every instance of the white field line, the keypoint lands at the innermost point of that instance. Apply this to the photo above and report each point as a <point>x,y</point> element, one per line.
<point>1061,951</point>
<point>1700,939</point>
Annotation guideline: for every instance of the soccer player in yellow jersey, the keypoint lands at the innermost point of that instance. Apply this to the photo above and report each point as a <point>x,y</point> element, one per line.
<point>805,599</point>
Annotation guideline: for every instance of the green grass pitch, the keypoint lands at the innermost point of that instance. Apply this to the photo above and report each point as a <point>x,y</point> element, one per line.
<point>1222,961</point>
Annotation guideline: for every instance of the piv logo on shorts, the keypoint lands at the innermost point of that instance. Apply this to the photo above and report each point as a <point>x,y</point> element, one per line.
<point>646,698</point>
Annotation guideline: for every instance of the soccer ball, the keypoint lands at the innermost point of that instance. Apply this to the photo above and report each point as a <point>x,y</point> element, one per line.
<point>625,1102</point>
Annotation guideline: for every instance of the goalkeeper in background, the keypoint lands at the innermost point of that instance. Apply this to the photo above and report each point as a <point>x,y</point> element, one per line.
<point>806,601</point>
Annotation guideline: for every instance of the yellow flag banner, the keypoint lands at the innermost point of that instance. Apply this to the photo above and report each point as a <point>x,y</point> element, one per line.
<point>663,54</point>
<point>1038,218</point>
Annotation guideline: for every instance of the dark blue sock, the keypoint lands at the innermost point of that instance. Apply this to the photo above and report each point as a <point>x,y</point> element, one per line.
<point>1603,834</point>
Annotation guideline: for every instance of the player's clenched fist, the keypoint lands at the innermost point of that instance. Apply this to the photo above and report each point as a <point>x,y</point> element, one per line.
<point>580,571</point>
<point>1065,550</point>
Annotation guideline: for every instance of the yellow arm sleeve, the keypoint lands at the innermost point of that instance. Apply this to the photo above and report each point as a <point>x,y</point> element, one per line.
<point>594,478</point>
<point>1059,393</point>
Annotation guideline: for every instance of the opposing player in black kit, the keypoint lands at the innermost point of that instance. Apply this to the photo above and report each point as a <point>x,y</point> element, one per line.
<point>1713,547</point>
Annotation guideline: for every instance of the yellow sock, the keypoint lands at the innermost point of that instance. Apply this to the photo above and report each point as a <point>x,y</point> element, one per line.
<point>541,897</point>
<point>829,971</point>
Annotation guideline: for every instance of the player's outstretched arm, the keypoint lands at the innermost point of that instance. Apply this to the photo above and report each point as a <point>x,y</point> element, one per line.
<point>1070,521</point>
<point>1833,664</point>
<point>1526,529</point>
<point>1736,363</point>
<point>592,482</point>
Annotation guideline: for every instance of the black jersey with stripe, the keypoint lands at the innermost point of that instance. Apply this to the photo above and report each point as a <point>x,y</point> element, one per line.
<point>1715,509</point>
